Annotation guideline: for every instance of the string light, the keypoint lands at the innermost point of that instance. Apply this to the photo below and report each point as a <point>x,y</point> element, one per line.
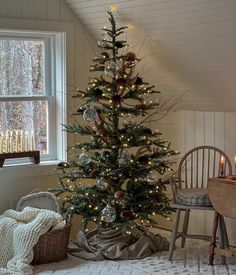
<point>113,7</point>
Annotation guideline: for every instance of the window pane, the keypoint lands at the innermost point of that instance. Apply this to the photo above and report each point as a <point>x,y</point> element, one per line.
<point>23,126</point>
<point>22,67</point>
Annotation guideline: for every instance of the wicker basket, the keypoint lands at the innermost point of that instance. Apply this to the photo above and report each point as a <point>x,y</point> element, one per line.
<point>52,246</point>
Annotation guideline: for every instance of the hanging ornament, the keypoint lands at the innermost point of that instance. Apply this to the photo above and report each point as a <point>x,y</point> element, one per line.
<point>94,173</point>
<point>84,158</point>
<point>105,155</point>
<point>123,158</point>
<point>107,70</point>
<point>80,111</point>
<point>119,44</point>
<point>130,56</point>
<point>63,164</point>
<point>152,177</point>
<point>75,175</point>
<point>142,106</point>
<point>102,183</point>
<point>114,67</point>
<point>116,100</point>
<point>90,115</point>
<point>127,213</point>
<point>97,92</point>
<point>138,81</point>
<point>121,82</point>
<point>119,194</point>
<point>105,55</point>
<point>101,131</point>
<point>108,214</point>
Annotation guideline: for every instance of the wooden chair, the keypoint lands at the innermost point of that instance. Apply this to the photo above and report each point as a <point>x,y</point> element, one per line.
<point>189,188</point>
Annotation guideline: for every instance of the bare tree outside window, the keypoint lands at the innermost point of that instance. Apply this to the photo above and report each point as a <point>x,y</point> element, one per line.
<point>22,83</point>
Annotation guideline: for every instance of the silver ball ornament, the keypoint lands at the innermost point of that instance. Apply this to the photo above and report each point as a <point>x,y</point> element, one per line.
<point>84,158</point>
<point>108,214</point>
<point>90,115</point>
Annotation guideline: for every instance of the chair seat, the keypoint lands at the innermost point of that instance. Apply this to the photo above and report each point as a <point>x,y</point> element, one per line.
<point>193,197</point>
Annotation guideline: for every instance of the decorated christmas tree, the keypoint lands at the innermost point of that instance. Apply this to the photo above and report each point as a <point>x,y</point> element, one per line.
<point>125,159</point>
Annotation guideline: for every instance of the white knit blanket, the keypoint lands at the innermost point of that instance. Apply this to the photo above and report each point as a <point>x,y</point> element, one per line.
<point>19,232</point>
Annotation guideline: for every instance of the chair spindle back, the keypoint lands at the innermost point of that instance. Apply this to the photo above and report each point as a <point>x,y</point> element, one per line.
<point>200,164</point>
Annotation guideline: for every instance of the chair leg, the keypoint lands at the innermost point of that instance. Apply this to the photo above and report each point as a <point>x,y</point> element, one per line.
<point>185,227</point>
<point>213,241</point>
<point>221,238</point>
<point>174,234</point>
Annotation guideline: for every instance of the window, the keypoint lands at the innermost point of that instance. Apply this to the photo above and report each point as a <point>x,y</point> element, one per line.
<point>29,96</point>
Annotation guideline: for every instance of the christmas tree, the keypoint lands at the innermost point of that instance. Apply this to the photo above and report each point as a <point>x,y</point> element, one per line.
<point>125,158</point>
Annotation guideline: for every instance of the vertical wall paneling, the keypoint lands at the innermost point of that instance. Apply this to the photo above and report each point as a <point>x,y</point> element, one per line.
<point>28,9</point>
<point>190,130</point>
<point>3,8</point>
<point>54,10</point>
<point>219,130</point>
<point>209,129</point>
<point>14,8</point>
<point>40,9</point>
<point>199,123</point>
<point>65,12</point>
<point>180,132</point>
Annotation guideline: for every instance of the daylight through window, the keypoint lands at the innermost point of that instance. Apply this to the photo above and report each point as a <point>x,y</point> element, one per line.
<point>27,97</point>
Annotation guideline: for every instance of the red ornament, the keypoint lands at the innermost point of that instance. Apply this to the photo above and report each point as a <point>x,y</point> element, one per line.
<point>101,131</point>
<point>121,82</point>
<point>130,56</point>
<point>94,173</point>
<point>116,100</point>
<point>80,111</point>
<point>142,106</point>
<point>127,213</point>
<point>119,194</point>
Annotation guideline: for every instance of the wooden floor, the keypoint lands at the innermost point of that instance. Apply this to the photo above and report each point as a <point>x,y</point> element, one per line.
<point>189,261</point>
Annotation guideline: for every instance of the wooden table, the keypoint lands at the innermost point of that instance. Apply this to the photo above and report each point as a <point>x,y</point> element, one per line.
<point>222,194</point>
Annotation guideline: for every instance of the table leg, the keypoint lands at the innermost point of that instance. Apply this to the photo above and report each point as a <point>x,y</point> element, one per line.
<point>221,238</point>
<point>213,241</point>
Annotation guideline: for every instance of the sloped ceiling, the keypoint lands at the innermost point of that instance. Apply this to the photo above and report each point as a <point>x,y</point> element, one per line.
<point>187,46</point>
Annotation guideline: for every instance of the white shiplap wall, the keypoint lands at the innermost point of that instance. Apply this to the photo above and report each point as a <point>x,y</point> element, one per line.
<point>185,129</point>
<point>188,45</point>
<point>188,129</point>
<point>44,15</point>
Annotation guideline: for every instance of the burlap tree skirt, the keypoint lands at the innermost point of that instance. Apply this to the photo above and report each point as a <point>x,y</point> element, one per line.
<point>107,243</point>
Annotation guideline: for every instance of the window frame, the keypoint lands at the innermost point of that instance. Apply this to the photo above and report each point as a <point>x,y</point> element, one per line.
<point>55,90</point>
